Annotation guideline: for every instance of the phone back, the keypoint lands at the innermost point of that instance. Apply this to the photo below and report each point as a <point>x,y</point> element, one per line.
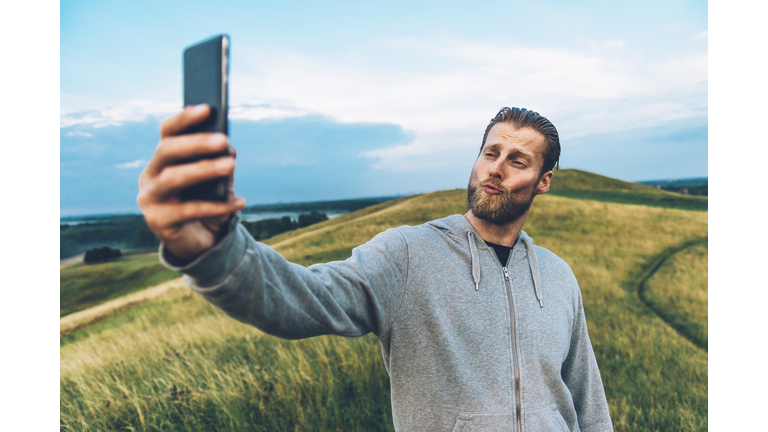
<point>206,70</point>
<point>205,80</point>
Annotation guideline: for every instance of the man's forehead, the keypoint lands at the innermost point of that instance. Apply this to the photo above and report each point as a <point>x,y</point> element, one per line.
<point>505,133</point>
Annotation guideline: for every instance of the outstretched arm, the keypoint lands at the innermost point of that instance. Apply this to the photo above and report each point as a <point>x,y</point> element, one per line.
<point>254,284</point>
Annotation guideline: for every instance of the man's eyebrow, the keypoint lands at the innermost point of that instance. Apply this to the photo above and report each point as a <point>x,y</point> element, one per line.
<point>523,153</point>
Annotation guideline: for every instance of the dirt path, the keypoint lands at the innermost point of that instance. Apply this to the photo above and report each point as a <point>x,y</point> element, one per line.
<point>656,264</point>
<point>78,320</point>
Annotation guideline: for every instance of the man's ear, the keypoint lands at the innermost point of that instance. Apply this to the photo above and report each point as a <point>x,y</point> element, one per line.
<point>544,183</point>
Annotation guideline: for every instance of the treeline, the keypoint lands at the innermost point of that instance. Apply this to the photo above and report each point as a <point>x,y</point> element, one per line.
<point>123,231</point>
<point>101,254</point>
<point>266,228</point>
<point>348,205</point>
<point>131,232</point>
<point>691,186</point>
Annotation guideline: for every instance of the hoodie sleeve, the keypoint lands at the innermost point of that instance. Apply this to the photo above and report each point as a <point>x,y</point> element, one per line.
<point>254,284</point>
<point>581,375</point>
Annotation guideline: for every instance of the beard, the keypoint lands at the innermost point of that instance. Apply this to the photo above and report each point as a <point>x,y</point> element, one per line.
<point>499,209</point>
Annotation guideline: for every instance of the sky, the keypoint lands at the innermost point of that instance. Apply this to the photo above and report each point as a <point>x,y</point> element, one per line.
<point>359,99</point>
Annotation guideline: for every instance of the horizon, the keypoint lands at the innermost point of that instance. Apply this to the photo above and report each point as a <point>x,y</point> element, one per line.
<point>101,215</point>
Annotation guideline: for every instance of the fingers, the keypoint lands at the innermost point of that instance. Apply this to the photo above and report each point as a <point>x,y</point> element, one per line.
<point>191,115</point>
<point>175,149</point>
<point>167,216</point>
<point>171,180</point>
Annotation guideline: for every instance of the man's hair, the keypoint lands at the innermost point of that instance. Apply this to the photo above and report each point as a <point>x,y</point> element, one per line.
<point>521,118</point>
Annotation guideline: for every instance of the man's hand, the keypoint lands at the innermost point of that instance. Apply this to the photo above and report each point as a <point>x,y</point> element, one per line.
<point>186,228</point>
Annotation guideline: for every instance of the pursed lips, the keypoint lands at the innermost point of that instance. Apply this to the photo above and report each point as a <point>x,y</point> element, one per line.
<point>491,189</point>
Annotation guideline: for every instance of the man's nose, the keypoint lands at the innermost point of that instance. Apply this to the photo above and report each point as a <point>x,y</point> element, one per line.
<point>496,169</point>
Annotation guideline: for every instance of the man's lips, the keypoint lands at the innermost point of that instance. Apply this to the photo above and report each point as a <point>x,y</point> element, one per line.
<point>491,189</point>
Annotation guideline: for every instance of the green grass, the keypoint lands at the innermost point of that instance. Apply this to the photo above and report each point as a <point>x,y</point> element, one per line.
<point>678,201</point>
<point>677,291</point>
<point>577,184</point>
<point>86,285</point>
<point>178,364</point>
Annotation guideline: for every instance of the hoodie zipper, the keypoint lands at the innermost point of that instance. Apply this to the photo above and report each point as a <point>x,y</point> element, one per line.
<point>514,348</point>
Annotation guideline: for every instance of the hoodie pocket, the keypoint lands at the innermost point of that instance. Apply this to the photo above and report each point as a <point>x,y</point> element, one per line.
<point>546,418</point>
<point>498,421</point>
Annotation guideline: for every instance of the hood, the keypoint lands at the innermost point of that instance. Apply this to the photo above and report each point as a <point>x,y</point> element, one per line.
<point>459,226</point>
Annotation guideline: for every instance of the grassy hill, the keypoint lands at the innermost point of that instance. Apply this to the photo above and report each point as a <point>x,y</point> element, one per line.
<point>86,285</point>
<point>578,184</point>
<point>176,363</point>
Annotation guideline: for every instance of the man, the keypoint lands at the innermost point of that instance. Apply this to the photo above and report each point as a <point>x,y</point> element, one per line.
<point>480,330</point>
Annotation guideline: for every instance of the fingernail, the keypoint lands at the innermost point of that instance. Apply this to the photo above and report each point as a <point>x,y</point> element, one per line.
<point>197,109</point>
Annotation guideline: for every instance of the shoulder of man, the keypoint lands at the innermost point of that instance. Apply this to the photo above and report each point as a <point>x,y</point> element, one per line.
<point>555,271</point>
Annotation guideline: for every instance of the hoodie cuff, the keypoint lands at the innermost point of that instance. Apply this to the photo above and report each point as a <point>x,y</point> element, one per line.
<point>214,265</point>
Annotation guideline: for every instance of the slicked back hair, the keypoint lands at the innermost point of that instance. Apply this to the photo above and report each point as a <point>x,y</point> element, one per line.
<point>521,118</point>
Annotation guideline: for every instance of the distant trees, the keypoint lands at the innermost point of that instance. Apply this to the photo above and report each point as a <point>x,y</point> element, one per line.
<point>101,254</point>
<point>120,231</point>
<point>266,228</point>
<point>131,231</point>
<point>307,219</point>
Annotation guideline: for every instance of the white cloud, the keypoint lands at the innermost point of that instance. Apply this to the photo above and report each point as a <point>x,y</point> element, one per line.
<point>119,112</point>
<point>138,163</point>
<point>79,133</point>
<point>446,91</point>
<point>263,111</point>
<point>701,36</point>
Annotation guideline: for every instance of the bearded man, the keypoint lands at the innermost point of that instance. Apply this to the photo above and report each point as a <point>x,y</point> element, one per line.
<point>480,330</point>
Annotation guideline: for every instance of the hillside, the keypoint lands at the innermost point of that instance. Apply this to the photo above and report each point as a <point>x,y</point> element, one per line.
<point>176,363</point>
<point>578,184</point>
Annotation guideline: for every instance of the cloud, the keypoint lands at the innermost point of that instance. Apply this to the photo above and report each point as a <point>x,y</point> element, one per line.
<point>445,91</point>
<point>701,36</point>
<point>138,163</point>
<point>265,111</point>
<point>120,111</point>
<point>79,133</point>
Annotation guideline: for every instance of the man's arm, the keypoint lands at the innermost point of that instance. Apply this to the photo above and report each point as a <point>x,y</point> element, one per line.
<point>581,375</point>
<point>254,284</point>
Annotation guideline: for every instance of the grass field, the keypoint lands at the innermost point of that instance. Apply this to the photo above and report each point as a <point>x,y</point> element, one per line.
<point>175,363</point>
<point>573,183</point>
<point>86,285</point>
<point>678,292</point>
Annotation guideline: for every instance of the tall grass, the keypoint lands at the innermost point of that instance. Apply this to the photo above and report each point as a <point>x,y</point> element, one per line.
<point>178,364</point>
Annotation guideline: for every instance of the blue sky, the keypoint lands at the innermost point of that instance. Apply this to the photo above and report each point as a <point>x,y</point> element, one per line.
<point>359,99</point>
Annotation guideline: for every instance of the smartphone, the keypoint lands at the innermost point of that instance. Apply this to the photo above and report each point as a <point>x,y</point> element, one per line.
<point>206,73</point>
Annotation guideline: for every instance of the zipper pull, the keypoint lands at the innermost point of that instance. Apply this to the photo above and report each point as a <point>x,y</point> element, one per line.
<point>506,274</point>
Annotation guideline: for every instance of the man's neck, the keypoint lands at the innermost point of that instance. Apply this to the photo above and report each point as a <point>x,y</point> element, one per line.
<point>505,235</point>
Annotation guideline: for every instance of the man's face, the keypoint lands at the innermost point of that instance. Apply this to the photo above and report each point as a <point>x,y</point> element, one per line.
<point>505,178</point>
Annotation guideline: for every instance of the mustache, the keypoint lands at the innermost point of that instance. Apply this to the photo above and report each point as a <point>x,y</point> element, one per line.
<point>493,183</point>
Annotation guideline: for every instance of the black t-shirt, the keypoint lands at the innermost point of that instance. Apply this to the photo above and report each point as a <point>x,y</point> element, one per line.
<point>502,252</point>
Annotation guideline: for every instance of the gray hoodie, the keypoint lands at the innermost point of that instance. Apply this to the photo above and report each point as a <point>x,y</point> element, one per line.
<point>469,344</point>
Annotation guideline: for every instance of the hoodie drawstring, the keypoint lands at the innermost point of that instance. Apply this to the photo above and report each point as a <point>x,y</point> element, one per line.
<point>473,253</point>
<point>533,262</point>
<point>534,269</point>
